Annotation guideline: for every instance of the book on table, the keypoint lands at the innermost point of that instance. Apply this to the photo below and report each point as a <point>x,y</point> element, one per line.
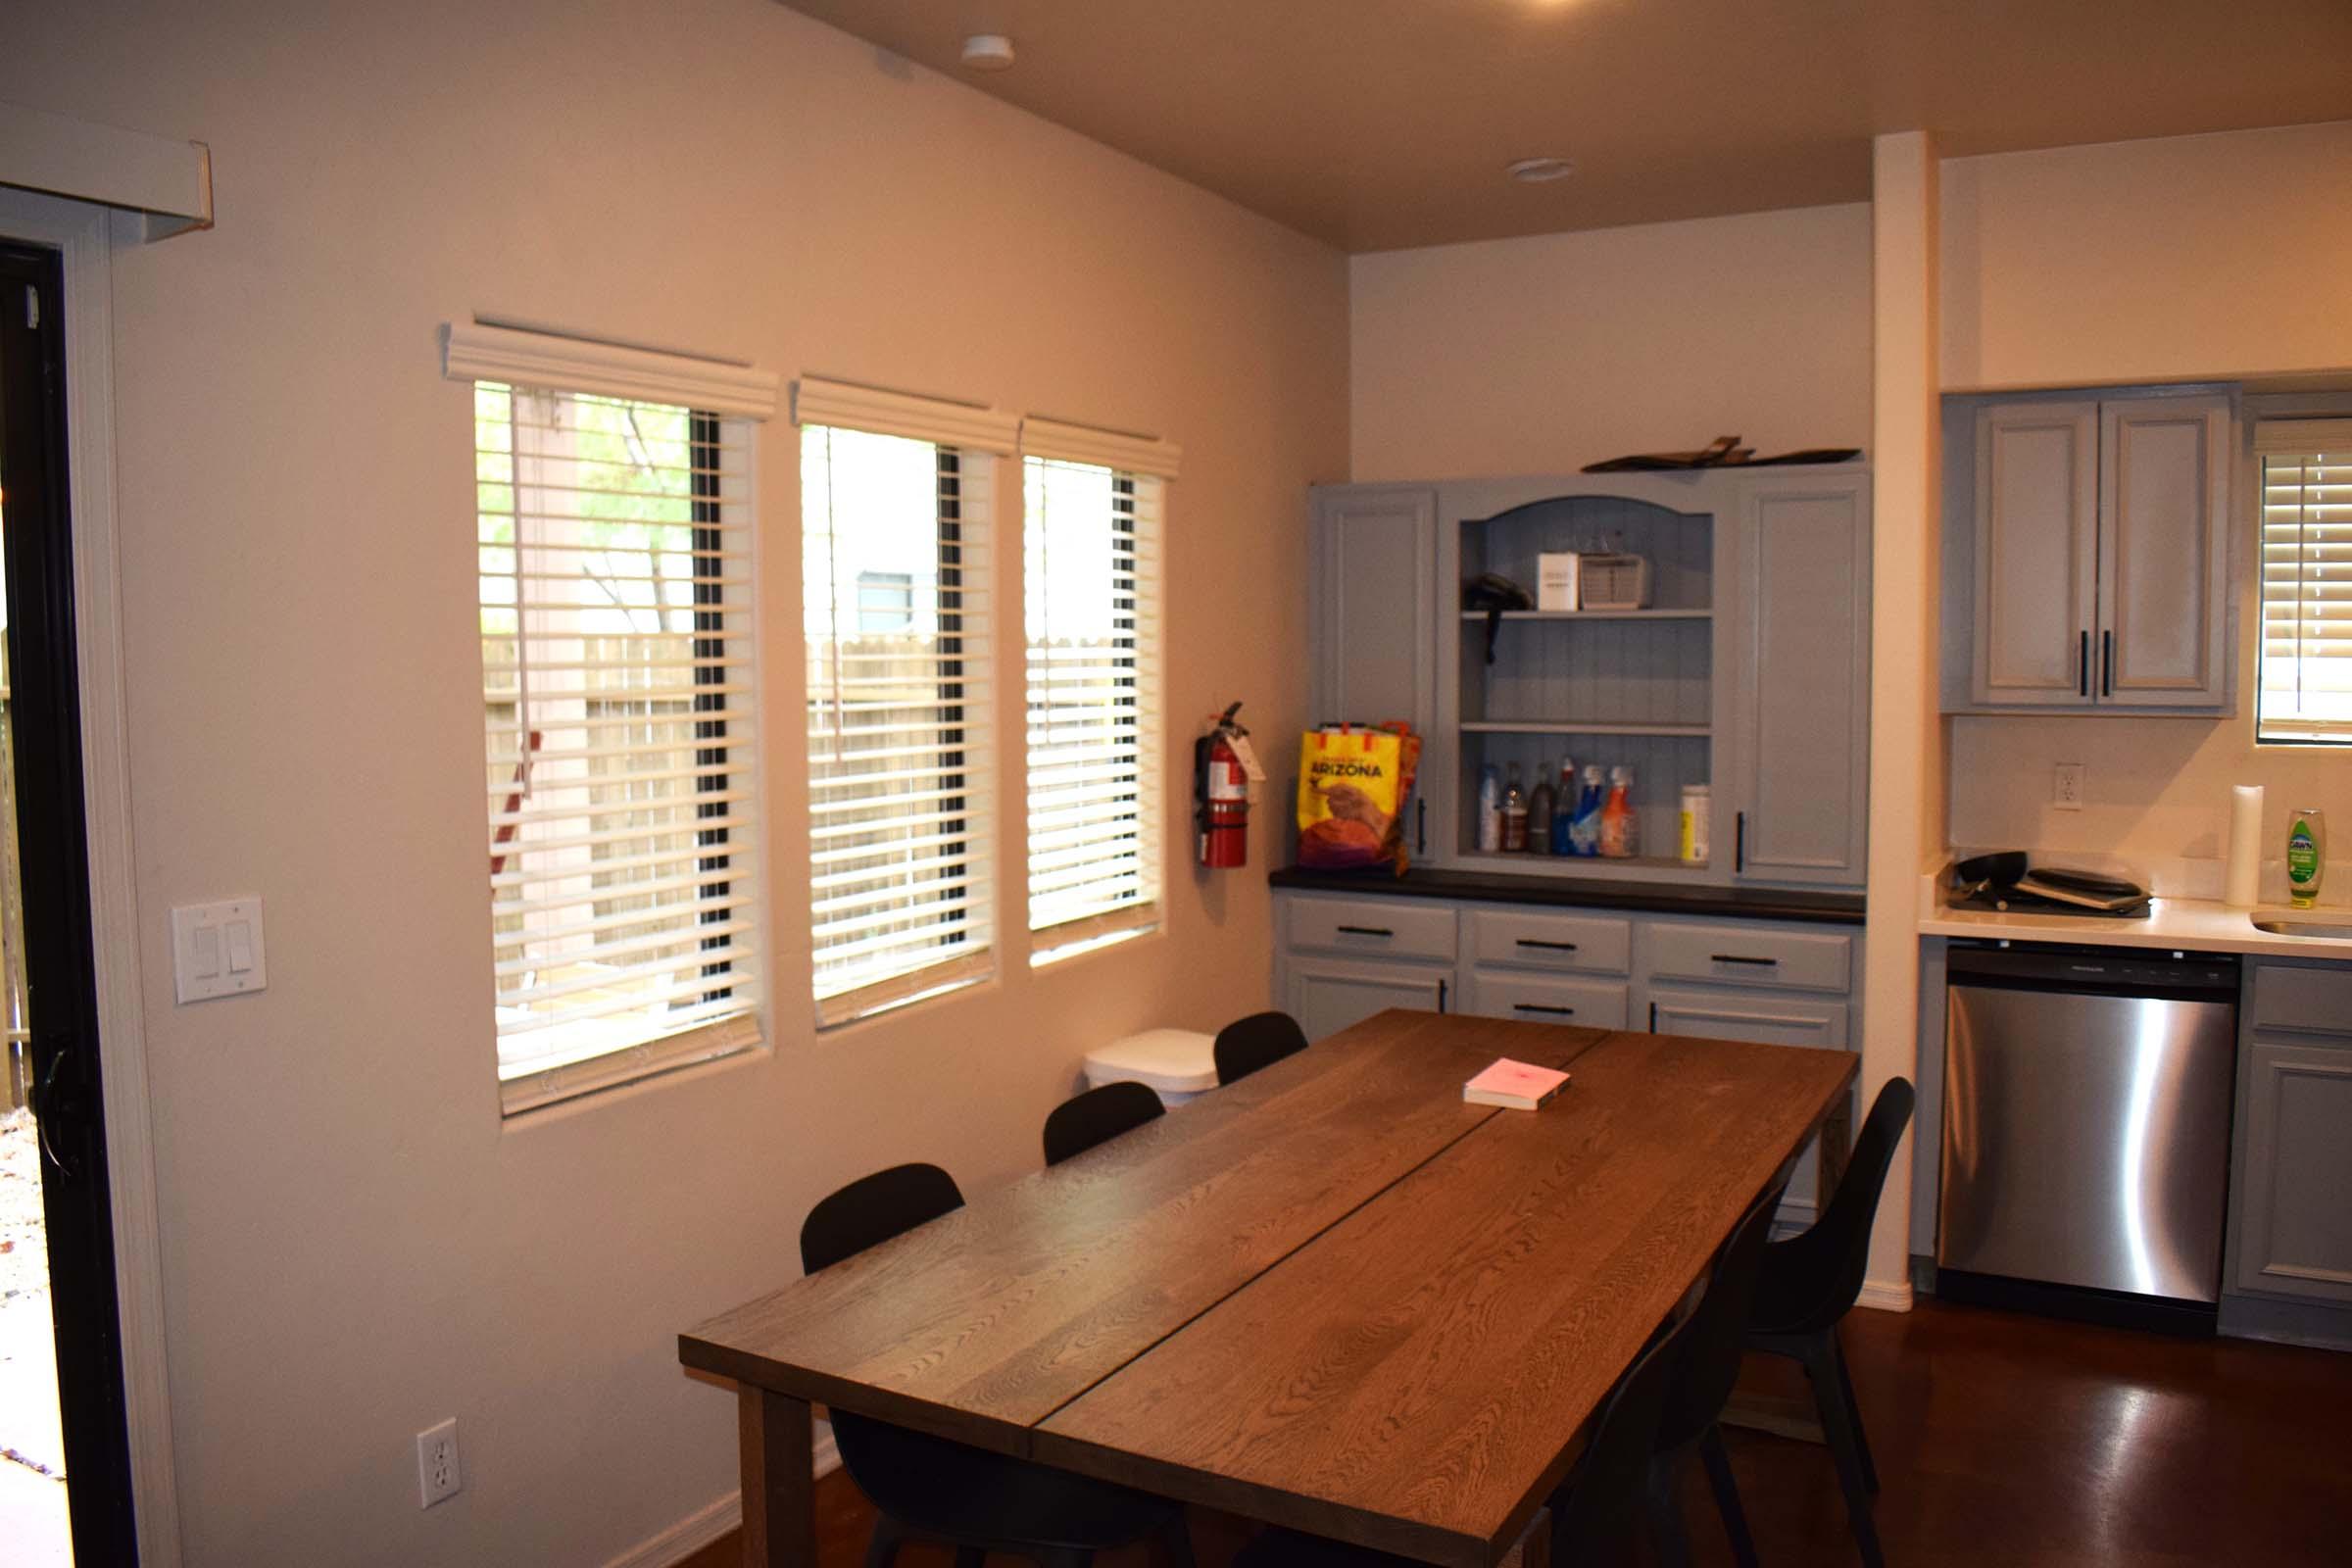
<point>1514,1085</point>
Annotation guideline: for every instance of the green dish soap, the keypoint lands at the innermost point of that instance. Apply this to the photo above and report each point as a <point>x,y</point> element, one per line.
<point>2306,858</point>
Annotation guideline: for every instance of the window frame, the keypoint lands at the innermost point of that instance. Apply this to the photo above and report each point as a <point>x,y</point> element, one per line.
<point>967,442</point>
<point>2300,437</point>
<point>721,400</point>
<point>1141,470</point>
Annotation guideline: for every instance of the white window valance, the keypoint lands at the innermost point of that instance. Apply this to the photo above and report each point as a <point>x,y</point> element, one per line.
<point>1062,441</point>
<point>943,421</point>
<point>475,351</point>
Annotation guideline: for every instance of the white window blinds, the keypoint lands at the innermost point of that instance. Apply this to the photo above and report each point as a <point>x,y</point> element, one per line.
<point>1091,578</point>
<point>620,714</point>
<point>2306,660</point>
<point>896,607</point>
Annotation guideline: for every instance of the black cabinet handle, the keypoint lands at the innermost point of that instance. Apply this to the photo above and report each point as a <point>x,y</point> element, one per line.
<point>2106,663</point>
<point>1555,947</point>
<point>1734,958</point>
<point>1441,995</point>
<point>1538,1007</point>
<point>1739,843</point>
<point>1367,931</point>
<point>1421,827</point>
<point>1654,1017</point>
<point>2082,667</point>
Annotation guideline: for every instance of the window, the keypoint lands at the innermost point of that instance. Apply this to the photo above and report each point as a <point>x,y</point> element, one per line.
<point>614,536</point>
<point>895,508</point>
<point>1090,567</point>
<point>2306,659</point>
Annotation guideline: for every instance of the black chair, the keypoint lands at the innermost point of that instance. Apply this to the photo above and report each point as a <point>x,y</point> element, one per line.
<point>1258,1040</point>
<point>1702,1383</point>
<point>1810,1282</point>
<point>928,1489</point>
<point>1594,1512</point>
<point>1099,1115</point>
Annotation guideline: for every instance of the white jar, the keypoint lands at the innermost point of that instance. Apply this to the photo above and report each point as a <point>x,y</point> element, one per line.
<point>1697,808</point>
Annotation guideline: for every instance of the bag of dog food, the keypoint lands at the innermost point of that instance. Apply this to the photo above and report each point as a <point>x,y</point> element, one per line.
<point>1354,783</point>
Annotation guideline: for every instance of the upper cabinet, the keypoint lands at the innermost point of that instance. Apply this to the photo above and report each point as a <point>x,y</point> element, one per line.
<point>2096,568</point>
<point>1739,659</point>
<point>1803,716</point>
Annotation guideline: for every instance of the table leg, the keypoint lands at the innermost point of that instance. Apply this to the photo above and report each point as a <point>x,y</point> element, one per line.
<point>1534,1550</point>
<point>779,1485</point>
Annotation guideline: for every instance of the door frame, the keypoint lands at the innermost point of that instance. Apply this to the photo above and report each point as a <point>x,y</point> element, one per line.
<point>87,236</point>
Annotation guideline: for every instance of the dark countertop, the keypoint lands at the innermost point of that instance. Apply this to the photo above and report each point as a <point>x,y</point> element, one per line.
<point>1647,897</point>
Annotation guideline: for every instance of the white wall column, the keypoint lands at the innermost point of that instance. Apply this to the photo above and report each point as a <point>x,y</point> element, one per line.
<point>1906,732</point>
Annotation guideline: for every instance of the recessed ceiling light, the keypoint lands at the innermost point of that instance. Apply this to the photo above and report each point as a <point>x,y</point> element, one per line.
<point>987,51</point>
<point>1539,171</point>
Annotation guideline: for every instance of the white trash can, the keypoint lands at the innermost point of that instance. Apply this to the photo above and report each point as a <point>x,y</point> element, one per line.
<point>1181,1064</point>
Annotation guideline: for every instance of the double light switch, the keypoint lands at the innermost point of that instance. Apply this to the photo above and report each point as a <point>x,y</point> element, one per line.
<point>216,949</point>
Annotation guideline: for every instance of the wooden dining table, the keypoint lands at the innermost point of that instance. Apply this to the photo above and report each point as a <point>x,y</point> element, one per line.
<point>1332,1296</point>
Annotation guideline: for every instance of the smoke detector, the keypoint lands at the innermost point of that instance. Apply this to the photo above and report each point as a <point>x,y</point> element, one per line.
<point>1539,171</point>
<point>987,51</point>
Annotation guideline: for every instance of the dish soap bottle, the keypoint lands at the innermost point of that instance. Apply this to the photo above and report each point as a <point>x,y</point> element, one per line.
<point>1514,814</point>
<point>1563,808</point>
<point>1583,833</point>
<point>2306,858</point>
<point>1620,828</point>
<point>1490,810</point>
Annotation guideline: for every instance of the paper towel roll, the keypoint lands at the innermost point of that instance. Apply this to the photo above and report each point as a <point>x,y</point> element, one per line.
<point>2244,876</point>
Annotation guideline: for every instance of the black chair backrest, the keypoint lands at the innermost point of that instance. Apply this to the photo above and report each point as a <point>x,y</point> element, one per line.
<point>1597,1506</point>
<point>1716,1334</point>
<point>1258,1040</point>
<point>874,1208</point>
<point>1097,1116</point>
<point>1843,1228</point>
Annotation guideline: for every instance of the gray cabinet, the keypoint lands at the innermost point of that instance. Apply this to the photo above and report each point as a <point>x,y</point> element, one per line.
<point>1803,714</point>
<point>1375,607</point>
<point>2099,557</point>
<point>1766,1018</point>
<point>1327,994</point>
<point>2291,1216</point>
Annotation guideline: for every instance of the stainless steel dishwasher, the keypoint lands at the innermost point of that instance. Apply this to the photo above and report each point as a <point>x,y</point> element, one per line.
<point>2086,1131</point>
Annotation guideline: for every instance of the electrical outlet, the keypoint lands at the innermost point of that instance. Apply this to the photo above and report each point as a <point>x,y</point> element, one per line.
<point>437,1476</point>
<point>2066,789</point>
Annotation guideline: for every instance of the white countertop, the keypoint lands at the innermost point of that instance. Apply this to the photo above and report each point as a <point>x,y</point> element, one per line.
<point>2187,924</point>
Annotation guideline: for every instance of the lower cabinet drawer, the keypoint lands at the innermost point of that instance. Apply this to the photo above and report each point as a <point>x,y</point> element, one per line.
<point>1763,1017</point>
<point>2289,996</point>
<point>1539,939</point>
<point>1391,928</point>
<point>1541,999</point>
<point>1751,955</point>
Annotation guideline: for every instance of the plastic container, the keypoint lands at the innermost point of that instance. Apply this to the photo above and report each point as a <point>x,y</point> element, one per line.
<point>1514,815</point>
<point>1697,807</point>
<point>1583,833</point>
<point>1620,828</point>
<point>1179,1064</point>
<point>1490,810</point>
<point>2306,856</point>
<point>1563,808</point>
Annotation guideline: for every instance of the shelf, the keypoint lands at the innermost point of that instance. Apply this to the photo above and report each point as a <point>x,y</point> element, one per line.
<point>1595,615</point>
<point>1487,726</point>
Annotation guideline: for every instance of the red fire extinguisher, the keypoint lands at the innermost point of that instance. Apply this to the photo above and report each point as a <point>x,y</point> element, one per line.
<point>1223,769</point>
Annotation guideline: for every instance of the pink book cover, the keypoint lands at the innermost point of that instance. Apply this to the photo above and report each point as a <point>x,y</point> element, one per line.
<point>1513,1084</point>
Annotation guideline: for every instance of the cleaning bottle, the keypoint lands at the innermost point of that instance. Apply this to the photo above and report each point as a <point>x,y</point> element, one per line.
<point>1490,810</point>
<point>1541,806</point>
<point>1584,834</point>
<point>2306,856</point>
<point>1563,808</point>
<point>1620,828</point>
<point>1514,814</point>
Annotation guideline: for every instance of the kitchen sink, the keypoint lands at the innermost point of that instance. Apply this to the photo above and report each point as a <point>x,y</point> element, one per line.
<point>2288,925</point>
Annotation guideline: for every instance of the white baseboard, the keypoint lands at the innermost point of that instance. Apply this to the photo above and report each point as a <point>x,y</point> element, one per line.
<point>1885,1297</point>
<point>713,1519</point>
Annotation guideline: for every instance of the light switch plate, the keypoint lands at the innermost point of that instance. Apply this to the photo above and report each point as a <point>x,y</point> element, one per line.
<point>216,949</point>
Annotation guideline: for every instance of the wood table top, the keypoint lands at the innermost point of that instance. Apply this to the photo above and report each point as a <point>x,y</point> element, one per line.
<point>1331,1295</point>
<point>1417,1377</point>
<point>983,1322</point>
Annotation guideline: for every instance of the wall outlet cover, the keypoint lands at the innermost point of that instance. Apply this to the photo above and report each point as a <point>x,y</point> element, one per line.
<point>438,1478</point>
<point>2066,788</point>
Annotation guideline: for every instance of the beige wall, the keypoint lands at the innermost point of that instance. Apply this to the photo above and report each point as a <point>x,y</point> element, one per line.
<point>1539,356</point>
<point>2154,261</point>
<point>354,1244</point>
<point>2183,259</point>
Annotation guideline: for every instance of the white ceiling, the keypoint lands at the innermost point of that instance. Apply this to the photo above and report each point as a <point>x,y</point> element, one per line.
<point>1382,123</point>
